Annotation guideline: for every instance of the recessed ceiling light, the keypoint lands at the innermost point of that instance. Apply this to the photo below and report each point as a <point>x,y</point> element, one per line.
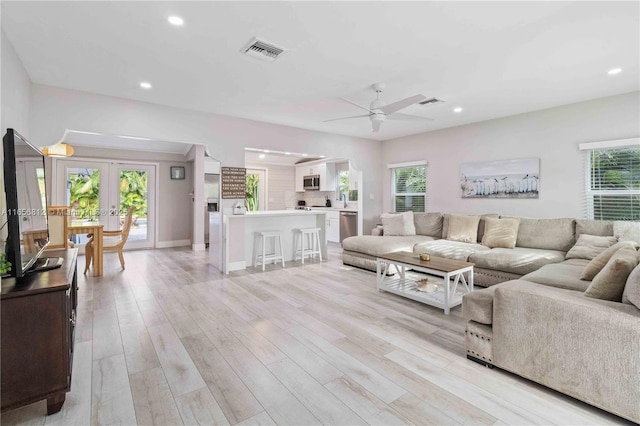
<point>262,156</point>
<point>175,20</point>
<point>145,85</point>
<point>457,109</point>
<point>614,71</point>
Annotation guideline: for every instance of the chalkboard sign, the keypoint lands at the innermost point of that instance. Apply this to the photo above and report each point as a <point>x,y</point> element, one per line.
<point>234,184</point>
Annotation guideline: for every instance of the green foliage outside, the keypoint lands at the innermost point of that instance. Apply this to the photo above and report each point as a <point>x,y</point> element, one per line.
<point>85,193</point>
<point>343,186</point>
<point>5,265</point>
<point>251,200</point>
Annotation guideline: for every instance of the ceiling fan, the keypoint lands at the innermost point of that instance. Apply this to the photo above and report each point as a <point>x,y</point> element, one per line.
<point>379,111</point>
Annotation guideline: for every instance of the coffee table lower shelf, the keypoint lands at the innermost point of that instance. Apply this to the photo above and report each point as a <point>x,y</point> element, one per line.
<point>406,287</point>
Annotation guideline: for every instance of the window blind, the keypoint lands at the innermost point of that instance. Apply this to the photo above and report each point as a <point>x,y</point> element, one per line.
<point>613,183</point>
<point>409,188</point>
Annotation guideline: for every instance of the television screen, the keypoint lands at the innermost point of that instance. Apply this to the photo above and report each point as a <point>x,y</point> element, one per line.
<point>26,202</point>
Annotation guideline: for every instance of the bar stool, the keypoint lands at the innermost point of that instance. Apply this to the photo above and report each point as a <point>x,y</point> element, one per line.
<point>261,237</point>
<point>309,237</point>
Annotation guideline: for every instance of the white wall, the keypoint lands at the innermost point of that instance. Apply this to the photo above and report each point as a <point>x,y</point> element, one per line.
<point>55,109</point>
<point>15,89</point>
<point>552,135</point>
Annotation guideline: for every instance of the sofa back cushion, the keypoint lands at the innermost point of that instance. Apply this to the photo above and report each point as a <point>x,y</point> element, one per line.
<point>594,227</point>
<point>589,246</point>
<point>598,262</point>
<point>428,224</point>
<point>550,234</point>
<point>627,230</point>
<point>631,294</point>
<point>445,225</point>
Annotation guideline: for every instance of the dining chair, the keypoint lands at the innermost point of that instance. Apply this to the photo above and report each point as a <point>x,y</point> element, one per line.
<point>111,244</point>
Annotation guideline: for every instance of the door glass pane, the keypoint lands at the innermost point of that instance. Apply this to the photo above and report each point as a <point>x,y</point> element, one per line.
<point>83,195</point>
<point>133,193</point>
<point>252,200</point>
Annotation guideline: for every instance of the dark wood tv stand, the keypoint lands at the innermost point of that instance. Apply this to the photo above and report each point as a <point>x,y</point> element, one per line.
<point>38,321</point>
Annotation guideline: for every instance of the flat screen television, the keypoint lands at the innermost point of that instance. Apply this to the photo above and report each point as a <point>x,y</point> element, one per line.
<point>26,206</point>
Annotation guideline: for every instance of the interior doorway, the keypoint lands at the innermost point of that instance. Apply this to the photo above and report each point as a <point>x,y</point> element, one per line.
<point>102,192</point>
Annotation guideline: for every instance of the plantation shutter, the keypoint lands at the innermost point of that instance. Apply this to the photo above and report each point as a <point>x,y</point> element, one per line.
<point>612,180</point>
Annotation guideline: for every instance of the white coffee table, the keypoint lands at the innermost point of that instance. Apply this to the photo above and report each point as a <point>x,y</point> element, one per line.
<point>441,272</point>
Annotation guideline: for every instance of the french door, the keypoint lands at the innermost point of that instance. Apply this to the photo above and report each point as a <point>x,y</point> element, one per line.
<point>102,192</point>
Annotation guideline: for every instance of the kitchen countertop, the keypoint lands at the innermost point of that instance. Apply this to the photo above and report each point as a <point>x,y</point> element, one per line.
<point>275,213</point>
<point>337,209</point>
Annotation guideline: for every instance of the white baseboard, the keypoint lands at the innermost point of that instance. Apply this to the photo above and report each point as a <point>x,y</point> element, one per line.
<point>236,266</point>
<point>175,243</point>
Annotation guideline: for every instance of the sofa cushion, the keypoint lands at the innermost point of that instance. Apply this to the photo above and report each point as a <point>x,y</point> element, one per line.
<point>375,246</point>
<point>550,234</point>
<point>610,282</point>
<point>428,224</point>
<point>562,275</point>
<point>445,224</point>
<point>398,224</point>
<point>594,227</point>
<point>598,262</point>
<point>626,231</point>
<point>449,249</point>
<point>501,233</point>
<point>589,246</point>
<point>463,228</point>
<point>631,292</point>
<point>518,260</point>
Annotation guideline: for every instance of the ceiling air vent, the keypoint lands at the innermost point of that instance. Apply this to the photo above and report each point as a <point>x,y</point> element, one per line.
<point>432,101</point>
<point>262,49</point>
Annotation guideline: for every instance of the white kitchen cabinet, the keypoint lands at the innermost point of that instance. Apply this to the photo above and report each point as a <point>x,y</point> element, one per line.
<point>333,226</point>
<point>327,177</point>
<point>300,173</point>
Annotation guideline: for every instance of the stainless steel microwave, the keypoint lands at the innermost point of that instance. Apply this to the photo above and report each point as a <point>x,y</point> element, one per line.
<point>311,183</point>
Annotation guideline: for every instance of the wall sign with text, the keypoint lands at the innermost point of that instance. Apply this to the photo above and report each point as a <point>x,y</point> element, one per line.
<point>233,182</point>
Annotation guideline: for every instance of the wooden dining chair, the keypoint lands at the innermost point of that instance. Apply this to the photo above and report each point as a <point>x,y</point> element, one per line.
<point>118,245</point>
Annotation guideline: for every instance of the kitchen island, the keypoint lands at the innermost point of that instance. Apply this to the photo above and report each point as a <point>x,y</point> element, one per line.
<point>239,233</point>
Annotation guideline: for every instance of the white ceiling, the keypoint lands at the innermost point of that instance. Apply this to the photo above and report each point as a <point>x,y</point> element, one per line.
<point>492,58</point>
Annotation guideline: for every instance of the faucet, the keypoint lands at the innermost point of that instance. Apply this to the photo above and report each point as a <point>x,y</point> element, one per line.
<point>343,197</point>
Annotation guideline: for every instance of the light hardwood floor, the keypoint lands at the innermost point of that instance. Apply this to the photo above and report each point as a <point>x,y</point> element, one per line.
<point>171,341</point>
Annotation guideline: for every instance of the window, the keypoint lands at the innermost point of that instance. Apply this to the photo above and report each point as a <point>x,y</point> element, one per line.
<point>409,186</point>
<point>612,180</point>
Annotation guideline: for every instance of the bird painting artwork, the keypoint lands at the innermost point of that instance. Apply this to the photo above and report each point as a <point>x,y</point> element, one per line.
<point>518,178</point>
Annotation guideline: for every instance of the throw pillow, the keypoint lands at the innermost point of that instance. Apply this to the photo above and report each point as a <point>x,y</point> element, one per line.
<point>598,262</point>
<point>398,224</point>
<point>626,230</point>
<point>463,228</point>
<point>610,282</point>
<point>589,246</point>
<point>631,292</point>
<point>501,233</point>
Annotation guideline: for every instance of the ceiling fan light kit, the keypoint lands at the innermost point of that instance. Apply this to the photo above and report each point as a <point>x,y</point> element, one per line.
<point>379,110</point>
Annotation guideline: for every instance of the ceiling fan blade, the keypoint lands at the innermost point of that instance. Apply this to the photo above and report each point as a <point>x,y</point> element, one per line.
<point>397,106</point>
<point>346,118</point>
<point>375,125</point>
<point>353,103</point>
<point>407,117</point>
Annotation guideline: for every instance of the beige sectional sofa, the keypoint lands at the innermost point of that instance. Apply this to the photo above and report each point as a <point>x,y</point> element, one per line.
<point>533,319</point>
<point>539,242</point>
